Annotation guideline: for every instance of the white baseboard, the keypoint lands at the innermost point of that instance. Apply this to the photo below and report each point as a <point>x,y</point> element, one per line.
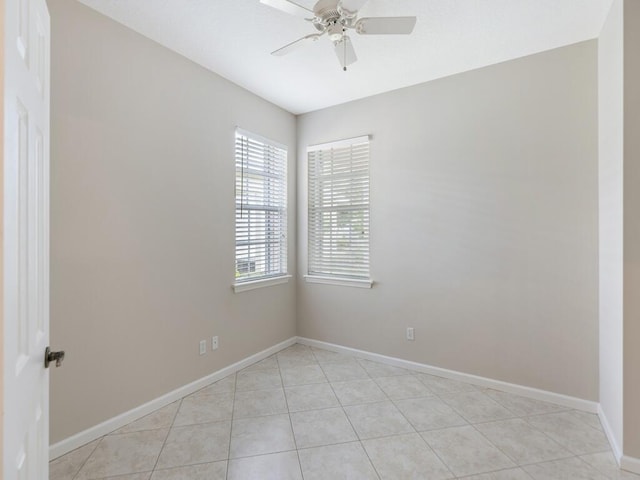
<point>630,464</point>
<point>537,394</point>
<point>108,426</point>
<point>617,452</point>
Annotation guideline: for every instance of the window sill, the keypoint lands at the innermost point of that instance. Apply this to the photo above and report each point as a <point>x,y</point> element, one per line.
<point>263,282</point>
<point>341,282</point>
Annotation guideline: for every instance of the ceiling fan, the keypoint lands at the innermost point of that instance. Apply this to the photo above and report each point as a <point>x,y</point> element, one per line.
<point>335,18</point>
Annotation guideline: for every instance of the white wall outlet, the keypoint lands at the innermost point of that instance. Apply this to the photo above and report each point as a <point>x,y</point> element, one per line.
<point>410,333</point>
<point>203,347</point>
<point>214,343</point>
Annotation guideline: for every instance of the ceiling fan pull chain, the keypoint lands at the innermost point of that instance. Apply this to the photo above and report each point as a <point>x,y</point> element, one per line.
<point>344,41</point>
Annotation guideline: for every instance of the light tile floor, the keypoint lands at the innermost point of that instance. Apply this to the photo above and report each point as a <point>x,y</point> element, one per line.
<point>312,414</point>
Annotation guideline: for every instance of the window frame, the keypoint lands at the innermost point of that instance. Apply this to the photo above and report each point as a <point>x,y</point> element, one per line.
<point>314,208</point>
<point>245,201</point>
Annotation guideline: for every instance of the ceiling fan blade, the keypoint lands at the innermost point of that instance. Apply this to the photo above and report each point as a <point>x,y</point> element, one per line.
<point>385,25</point>
<point>349,8</point>
<point>345,52</point>
<point>295,45</point>
<point>289,7</point>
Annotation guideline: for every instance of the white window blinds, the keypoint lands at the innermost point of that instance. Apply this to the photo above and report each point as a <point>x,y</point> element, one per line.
<point>339,209</point>
<point>261,208</point>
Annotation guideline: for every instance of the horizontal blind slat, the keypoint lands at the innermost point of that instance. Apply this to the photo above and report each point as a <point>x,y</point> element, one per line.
<point>338,211</point>
<point>261,203</point>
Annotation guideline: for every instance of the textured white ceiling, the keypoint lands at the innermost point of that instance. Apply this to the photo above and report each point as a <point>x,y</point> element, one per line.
<point>234,38</point>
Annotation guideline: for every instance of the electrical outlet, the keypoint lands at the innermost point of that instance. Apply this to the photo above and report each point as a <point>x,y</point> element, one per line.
<point>410,333</point>
<point>203,347</point>
<point>214,343</point>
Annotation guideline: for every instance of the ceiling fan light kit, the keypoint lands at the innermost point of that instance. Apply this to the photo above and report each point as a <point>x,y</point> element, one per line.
<point>335,18</point>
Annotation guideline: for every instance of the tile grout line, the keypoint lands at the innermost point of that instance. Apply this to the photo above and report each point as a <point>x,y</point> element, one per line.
<point>523,418</point>
<point>515,417</point>
<point>233,411</point>
<point>413,426</point>
<point>415,431</point>
<point>516,462</point>
<point>88,457</point>
<point>495,471</point>
<point>560,460</point>
<point>601,472</point>
<point>175,415</point>
<point>389,399</point>
<point>426,443</point>
<point>359,440</point>
<point>473,425</point>
<point>293,433</point>
<point>533,464</point>
<point>349,420</point>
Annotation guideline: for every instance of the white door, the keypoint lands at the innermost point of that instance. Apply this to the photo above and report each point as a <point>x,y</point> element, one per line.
<point>26,239</point>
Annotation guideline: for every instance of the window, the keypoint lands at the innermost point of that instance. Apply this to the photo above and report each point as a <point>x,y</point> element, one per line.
<point>339,212</point>
<point>261,209</point>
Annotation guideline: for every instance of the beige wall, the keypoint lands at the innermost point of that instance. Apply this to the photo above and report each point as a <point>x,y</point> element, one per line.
<point>632,229</point>
<point>484,211</point>
<point>494,235</point>
<point>142,219</point>
<point>610,175</point>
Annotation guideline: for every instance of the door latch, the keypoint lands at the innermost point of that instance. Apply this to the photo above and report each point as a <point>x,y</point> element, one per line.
<point>50,356</point>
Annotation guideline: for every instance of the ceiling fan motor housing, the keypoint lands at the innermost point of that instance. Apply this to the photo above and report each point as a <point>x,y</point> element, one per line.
<point>331,18</point>
<point>327,10</point>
